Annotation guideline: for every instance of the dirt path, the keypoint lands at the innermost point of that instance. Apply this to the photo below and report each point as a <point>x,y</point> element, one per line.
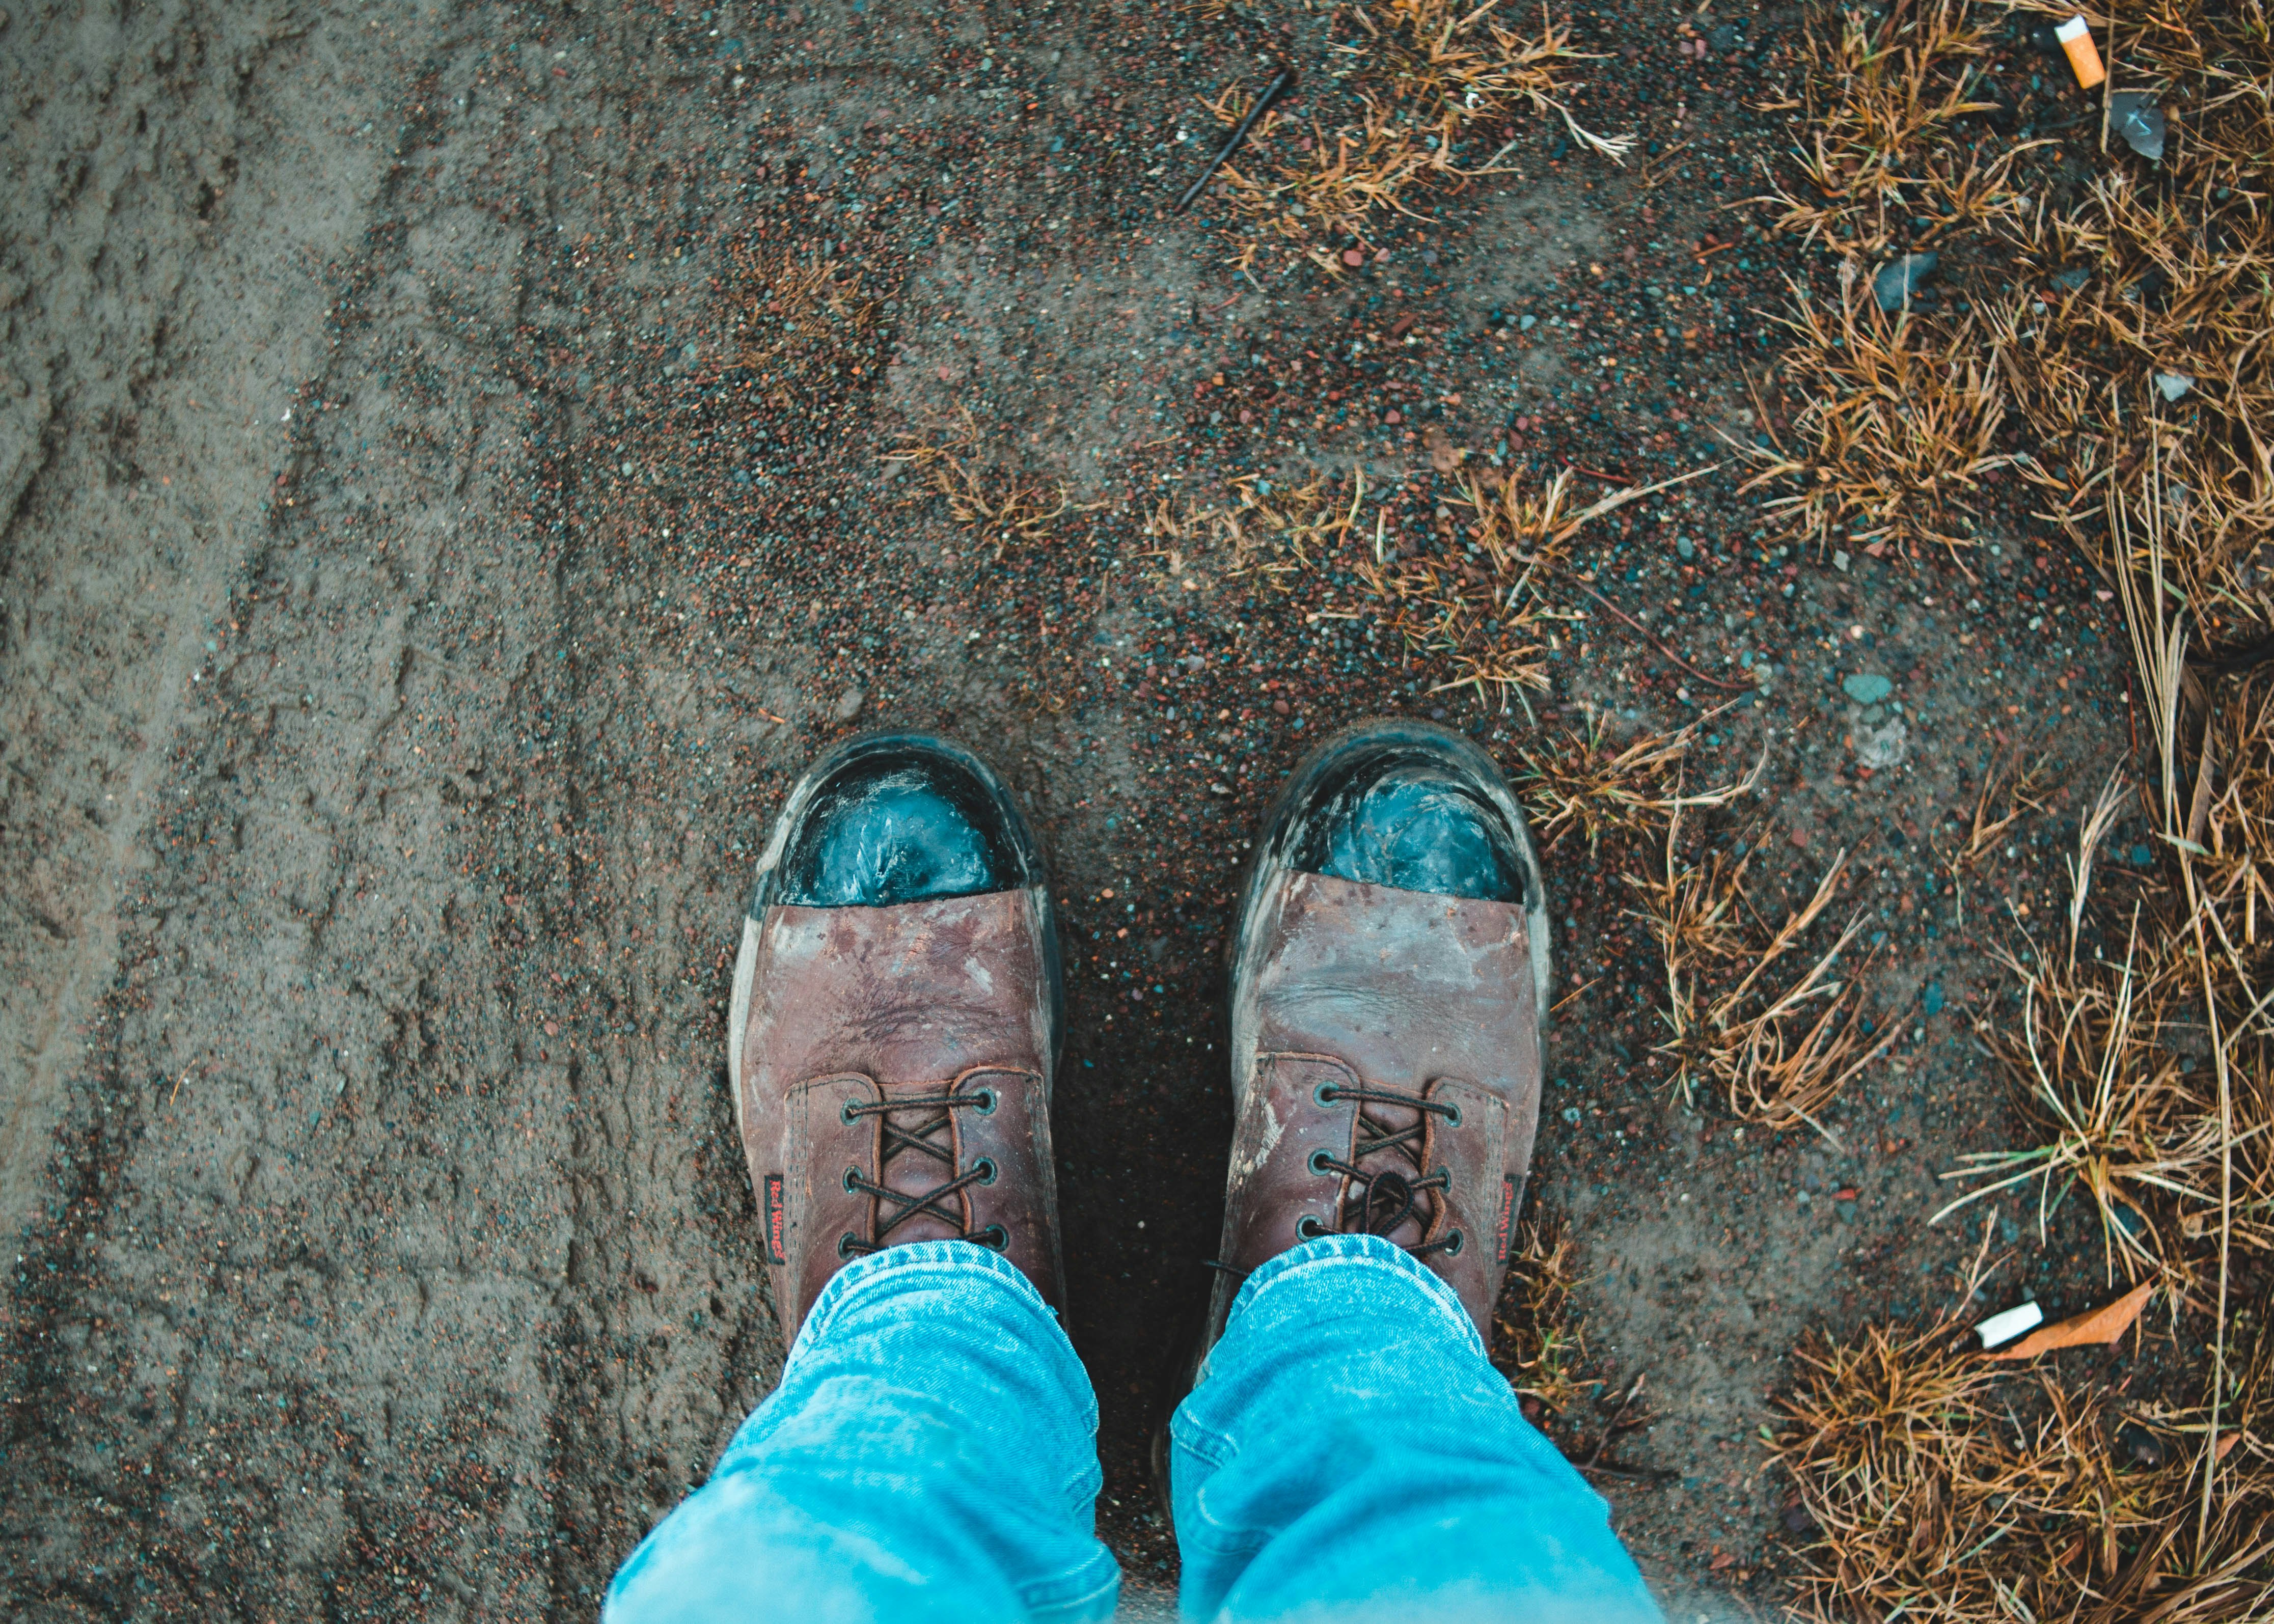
<point>410,615</point>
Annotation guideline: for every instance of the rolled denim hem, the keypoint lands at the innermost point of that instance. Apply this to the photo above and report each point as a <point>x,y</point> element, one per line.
<point>1302,1265</point>
<point>895,1268</point>
<point>1091,1595</point>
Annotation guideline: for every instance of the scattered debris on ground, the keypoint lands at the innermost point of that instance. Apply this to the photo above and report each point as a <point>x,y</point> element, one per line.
<point>460,466</point>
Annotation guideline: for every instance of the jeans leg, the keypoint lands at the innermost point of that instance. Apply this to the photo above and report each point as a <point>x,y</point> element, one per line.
<point>1349,1446</point>
<point>930,1454</point>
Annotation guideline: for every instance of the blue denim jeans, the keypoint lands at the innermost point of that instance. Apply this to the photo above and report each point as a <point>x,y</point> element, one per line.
<point>931,1454</point>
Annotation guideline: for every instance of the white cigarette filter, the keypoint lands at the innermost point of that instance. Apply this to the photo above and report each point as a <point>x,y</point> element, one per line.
<point>2075,37</point>
<point>2006,1326</point>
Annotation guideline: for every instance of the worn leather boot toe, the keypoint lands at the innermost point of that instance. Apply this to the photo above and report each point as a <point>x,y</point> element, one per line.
<point>896,1021</point>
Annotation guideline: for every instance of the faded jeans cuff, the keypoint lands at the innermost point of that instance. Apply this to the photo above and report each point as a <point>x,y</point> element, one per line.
<point>1315,1266</point>
<point>897,1268</point>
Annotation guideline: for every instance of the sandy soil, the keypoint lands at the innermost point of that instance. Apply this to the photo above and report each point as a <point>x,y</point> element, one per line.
<point>410,613</point>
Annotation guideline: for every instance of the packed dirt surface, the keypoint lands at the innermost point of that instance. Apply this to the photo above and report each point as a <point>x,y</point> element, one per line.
<point>428,550</point>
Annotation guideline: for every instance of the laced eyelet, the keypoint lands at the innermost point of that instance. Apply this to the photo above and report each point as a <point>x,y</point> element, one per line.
<point>985,1168</point>
<point>986,1098</point>
<point>1452,1114</point>
<point>847,1244</point>
<point>844,1114</point>
<point>1309,1229</point>
<point>994,1236</point>
<point>1326,1093</point>
<point>1319,1160</point>
<point>851,1174</point>
<point>1453,1244</point>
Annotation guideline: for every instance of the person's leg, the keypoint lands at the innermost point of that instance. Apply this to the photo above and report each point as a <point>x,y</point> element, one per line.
<point>931,1454</point>
<point>1347,1447</point>
<point>1349,1450</point>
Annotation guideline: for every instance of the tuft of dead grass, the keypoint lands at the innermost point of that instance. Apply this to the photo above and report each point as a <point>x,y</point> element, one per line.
<point>1541,1347</point>
<point>1582,780</point>
<point>1005,507</point>
<point>1487,613</point>
<point>1780,1056</point>
<point>1897,427</point>
<point>1270,531</point>
<point>1428,83</point>
<point>2025,793</point>
<point>2121,1114</point>
<point>1882,99</point>
<point>1944,1486</point>
<point>804,321</point>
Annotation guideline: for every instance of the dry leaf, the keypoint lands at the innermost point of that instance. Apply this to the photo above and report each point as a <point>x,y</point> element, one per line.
<point>2102,1325</point>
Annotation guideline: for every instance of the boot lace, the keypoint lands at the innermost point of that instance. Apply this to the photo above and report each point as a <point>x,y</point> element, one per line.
<point>921,1126</point>
<point>1377,1200</point>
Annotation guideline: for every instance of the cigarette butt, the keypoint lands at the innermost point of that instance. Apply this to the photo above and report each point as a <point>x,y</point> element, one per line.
<point>2075,37</point>
<point>2006,1326</point>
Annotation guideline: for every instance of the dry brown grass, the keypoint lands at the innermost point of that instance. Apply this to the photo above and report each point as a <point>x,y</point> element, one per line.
<point>1541,1347</point>
<point>1934,1500</point>
<point>1779,1055</point>
<point>1881,100</point>
<point>1944,1486</point>
<point>1423,82</point>
<point>2120,1114</point>
<point>1005,507</point>
<point>2025,793</point>
<point>1898,427</point>
<point>2146,1084</point>
<point>2144,1077</point>
<point>1581,780</point>
<point>2181,263</point>
<point>1487,613</point>
<point>805,322</point>
<point>1269,531</point>
<point>2230,812</point>
<point>2164,270</point>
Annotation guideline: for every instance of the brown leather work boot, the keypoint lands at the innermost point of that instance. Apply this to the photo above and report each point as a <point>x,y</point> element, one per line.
<point>1389,983</point>
<point>896,1021</point>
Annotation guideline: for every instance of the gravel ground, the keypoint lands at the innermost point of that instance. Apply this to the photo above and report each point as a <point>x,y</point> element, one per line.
<point>412,609</point>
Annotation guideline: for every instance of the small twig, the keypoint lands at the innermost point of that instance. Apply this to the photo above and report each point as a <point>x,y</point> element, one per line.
<point>1633,1474</point>
<point>1612,1427</point>
<point>1576,992</point>
<point>1727,688</point>
<point>1281,84</point>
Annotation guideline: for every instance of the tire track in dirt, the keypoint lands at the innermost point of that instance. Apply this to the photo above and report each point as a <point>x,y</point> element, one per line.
<point>124,178</point>
<point>295,1292</point>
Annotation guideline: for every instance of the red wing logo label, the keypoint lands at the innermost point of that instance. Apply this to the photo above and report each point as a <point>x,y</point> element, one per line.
<point>777,1252</point>
<point>1504,1219</point>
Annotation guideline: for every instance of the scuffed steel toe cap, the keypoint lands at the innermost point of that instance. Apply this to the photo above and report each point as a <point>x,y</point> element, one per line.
<point>891,818</point>
<point>1407,805</point>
